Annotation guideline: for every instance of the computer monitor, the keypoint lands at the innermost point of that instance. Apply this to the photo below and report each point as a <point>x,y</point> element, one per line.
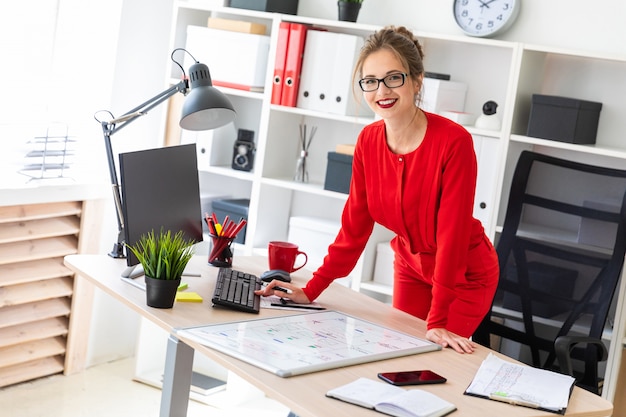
<point>160,189</point>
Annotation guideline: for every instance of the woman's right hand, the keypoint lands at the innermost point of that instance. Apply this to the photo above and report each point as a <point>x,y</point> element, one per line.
<point>295,294</point>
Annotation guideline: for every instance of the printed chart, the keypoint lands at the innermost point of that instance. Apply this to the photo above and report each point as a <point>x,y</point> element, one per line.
<point>306,343</point>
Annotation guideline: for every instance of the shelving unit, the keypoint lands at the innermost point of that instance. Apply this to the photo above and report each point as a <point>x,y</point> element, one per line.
<point>274,196</point>
<point>37,292</point>
<point>506,72</point>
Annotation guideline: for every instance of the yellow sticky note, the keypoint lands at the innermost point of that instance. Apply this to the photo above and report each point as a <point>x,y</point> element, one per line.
<point>190,296</point>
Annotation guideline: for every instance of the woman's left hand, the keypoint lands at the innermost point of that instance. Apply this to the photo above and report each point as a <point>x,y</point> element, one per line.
<point>448,339</point>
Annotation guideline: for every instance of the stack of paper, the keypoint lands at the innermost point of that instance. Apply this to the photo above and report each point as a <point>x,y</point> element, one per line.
<point>523,385</point>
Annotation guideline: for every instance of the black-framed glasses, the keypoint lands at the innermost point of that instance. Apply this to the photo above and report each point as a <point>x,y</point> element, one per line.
<point>394,80</point>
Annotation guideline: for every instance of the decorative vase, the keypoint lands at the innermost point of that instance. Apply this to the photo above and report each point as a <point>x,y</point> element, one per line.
<point>161,293</point>
<point>348,11</point>
<point>302,173</point>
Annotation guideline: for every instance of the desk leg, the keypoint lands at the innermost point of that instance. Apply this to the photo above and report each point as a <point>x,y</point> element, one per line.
<point>176,378</point>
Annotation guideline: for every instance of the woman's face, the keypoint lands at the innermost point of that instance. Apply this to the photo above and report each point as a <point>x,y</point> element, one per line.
<point>389,102</point>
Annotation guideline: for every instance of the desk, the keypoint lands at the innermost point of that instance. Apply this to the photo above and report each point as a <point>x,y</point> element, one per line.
<point>304,394</point>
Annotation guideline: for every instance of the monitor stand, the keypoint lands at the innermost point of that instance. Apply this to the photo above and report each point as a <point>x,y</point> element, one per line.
<point>132,275</point>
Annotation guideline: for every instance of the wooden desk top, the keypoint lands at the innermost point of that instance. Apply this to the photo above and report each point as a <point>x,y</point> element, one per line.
<point>304,394</point>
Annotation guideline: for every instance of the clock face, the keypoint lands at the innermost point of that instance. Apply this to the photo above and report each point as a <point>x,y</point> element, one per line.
<point>485,17</point>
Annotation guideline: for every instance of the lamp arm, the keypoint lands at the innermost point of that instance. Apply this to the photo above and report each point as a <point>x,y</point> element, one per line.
<point>142,109</point>
<point>113,126</point>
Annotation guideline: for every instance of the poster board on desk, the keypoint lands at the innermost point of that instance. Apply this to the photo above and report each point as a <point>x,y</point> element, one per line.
<point>305,343</point>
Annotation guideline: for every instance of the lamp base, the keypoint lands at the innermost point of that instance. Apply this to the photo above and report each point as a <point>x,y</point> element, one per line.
<point>118,251</point>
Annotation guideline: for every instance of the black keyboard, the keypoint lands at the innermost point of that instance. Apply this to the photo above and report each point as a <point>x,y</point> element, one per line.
<point>235,289</point>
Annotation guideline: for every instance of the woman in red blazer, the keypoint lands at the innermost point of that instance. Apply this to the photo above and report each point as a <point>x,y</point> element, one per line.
<point>414,173</point>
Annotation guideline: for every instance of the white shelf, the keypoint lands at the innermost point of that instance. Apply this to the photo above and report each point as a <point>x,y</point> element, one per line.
<point>254,95</point>
<point>377,287</point>
<point>328,116</point>
<point>586,54</point>
<point>483,132</point>
<point>227,171</point>
<point>311,188</point>
<point>608,151</point>
<point>198,5</point>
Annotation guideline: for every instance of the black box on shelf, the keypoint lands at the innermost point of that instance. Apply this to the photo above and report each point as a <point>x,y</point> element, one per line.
<point>235,209</point>
<point>338,172</point>
<point>549,279</point>
<point>276,6</point>
<point>564,119</point>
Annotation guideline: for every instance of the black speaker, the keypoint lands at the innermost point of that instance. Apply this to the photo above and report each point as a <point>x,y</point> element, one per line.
<point>244,149</point>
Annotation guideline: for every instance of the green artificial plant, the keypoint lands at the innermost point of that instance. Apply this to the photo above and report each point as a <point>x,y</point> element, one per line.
<point>163,256</point>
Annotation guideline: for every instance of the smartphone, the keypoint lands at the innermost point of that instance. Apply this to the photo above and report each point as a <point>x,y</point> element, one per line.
<point>412,377</point>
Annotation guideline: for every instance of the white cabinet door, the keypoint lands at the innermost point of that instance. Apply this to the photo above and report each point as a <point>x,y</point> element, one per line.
<point>487,156</point>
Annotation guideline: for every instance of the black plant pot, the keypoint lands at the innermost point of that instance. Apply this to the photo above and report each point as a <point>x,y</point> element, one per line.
<point>348,12</point>
<point>161,293</point>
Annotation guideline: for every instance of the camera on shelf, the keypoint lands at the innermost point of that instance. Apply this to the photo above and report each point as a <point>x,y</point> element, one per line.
<point>244,149</point>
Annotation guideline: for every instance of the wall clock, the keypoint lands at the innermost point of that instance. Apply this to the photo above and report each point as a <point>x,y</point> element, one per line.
<point>485,17</point>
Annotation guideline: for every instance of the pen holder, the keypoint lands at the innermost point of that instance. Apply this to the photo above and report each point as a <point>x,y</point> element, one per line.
<point>221,251</point>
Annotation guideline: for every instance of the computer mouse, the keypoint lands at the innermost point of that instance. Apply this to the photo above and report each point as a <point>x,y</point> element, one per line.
<point>273,274</point>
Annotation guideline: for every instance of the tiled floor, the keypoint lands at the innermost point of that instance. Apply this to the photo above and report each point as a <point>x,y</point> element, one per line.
<point>108,390</point>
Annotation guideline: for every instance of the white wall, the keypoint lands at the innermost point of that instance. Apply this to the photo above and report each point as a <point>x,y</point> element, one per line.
<point>54,71</point>
<point>137,68</point>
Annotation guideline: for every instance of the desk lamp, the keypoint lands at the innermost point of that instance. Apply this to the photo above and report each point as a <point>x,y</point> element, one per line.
<point>204,108</point>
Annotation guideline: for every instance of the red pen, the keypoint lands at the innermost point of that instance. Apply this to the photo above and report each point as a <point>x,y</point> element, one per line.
<point>209,223</point>
<point>240,226</point>
<point>225,222</point>
<point>228,231</point>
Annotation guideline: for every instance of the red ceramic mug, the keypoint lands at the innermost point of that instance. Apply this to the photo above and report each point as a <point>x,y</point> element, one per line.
<point>283,255</point>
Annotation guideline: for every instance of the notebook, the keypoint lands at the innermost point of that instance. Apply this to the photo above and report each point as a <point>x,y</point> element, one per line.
<point>392,400</point>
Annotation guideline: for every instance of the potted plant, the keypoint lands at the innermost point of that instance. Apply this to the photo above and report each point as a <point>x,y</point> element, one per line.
<point>163,257</point>
<point>349,9</point>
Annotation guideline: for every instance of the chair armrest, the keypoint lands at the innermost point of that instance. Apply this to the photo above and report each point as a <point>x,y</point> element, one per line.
<point>563,345</point>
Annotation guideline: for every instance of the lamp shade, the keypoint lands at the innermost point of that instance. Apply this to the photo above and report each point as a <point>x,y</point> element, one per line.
<point>205,107</point>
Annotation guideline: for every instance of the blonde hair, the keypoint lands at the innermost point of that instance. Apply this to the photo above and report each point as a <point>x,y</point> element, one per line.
<point>401,42</point>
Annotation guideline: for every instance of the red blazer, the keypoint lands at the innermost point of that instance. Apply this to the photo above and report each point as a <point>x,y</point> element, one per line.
<point>425,197</point>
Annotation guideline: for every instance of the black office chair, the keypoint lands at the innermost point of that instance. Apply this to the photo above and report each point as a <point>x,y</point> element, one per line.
<point>561,253</point>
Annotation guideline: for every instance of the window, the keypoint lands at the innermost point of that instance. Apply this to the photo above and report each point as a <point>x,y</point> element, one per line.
<point>57,67</point>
